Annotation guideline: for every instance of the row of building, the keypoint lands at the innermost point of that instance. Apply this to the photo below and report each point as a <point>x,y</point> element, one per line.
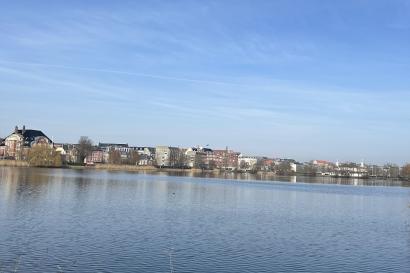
<point>20,141</point>
<point>352,169</point>
<point>162,156</point>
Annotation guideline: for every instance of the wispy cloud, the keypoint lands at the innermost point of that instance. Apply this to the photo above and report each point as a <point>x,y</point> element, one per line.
<point>128,73</point>
<point>265,71</point>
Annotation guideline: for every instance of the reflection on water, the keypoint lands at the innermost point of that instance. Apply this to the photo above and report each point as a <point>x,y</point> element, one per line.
<point>54,220</point>
<point>268,177</point>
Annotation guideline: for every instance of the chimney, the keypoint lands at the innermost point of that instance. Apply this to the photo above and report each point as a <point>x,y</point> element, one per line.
<point>16,129</point>
<point>24,130</point>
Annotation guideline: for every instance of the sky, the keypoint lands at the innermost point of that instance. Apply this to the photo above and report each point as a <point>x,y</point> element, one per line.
<point>296,79</point>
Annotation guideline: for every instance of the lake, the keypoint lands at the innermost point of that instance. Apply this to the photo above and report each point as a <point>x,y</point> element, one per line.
<point>62,220</point>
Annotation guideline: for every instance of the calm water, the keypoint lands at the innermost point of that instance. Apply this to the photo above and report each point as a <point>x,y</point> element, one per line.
<point>96,221</point>
<point>268,177</point>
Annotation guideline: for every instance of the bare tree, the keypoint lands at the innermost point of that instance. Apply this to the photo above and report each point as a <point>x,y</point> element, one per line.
<point>405,171</point>
<point>114,157</point>
<point>199,161</point>
<point>243,165</point>
<point>225,159</point>
<point>133,158</point>
<point>284,168</point>
<point>259,165</point>
<point>212,164</point>
<point>181,159</point>
<point>310,169</point>
<point>392,170</point>
<point>84,148</point>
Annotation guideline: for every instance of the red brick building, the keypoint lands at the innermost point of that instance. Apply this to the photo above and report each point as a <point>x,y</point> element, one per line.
<point>96,156</point>
<point>226,159</point>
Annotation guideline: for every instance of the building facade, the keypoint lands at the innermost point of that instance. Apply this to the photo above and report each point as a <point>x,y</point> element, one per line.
<point>96,156</point>
<point>247,163</point>
<point>17,144</point>
<point>122,148</point>
<point>225,159</point>
<point>167,156</point>
<point>199,157</point>
<point>146,155</point>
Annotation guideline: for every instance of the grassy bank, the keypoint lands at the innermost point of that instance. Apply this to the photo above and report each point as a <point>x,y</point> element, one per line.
<point>115,167</point>
<point>110,167</point>
<point>131,168</point>
<point>13,163</point>
<point>186,170</point>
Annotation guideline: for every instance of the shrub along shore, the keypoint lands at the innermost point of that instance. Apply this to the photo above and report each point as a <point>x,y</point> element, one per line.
<point>128,168</point>
<point>121,167</point>
<point>14,163</point>
<point>112,167</point>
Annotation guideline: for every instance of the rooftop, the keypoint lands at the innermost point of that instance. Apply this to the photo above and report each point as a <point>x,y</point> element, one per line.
<point>105,145</point>
<point>30,135</point>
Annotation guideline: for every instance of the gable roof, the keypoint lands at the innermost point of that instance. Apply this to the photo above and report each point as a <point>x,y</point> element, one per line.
<point>30,135</point>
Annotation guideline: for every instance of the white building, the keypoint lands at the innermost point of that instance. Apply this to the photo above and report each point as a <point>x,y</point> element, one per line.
<point>146,155</point>
<point>166,156</point>
<point>247,163</point>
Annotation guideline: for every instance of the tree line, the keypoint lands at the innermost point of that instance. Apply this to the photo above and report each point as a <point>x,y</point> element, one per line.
<point>46,156</point>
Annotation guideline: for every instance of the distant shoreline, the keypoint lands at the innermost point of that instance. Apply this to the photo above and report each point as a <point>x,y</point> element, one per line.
<point>113,167</point>
<point>220,174</point>
<point>132,168</point>
<point>153,169</point>
<point>13,163</point>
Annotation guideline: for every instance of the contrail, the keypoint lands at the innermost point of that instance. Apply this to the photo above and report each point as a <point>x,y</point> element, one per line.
<point>154,76</point>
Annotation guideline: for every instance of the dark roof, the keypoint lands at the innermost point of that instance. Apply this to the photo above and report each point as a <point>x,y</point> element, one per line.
<point>141,148</point>
<point>205,150</point>
<point>105,145</point>
<point>30,135</point>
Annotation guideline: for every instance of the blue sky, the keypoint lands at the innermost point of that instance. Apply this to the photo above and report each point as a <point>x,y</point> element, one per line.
<point>302,79</point>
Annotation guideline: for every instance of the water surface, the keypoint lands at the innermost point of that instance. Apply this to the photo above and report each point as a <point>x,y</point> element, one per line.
<point>55,220</point>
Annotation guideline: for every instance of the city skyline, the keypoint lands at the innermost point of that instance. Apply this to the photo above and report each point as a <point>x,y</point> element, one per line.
<point>315,80</point>
<point>181,147</point>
